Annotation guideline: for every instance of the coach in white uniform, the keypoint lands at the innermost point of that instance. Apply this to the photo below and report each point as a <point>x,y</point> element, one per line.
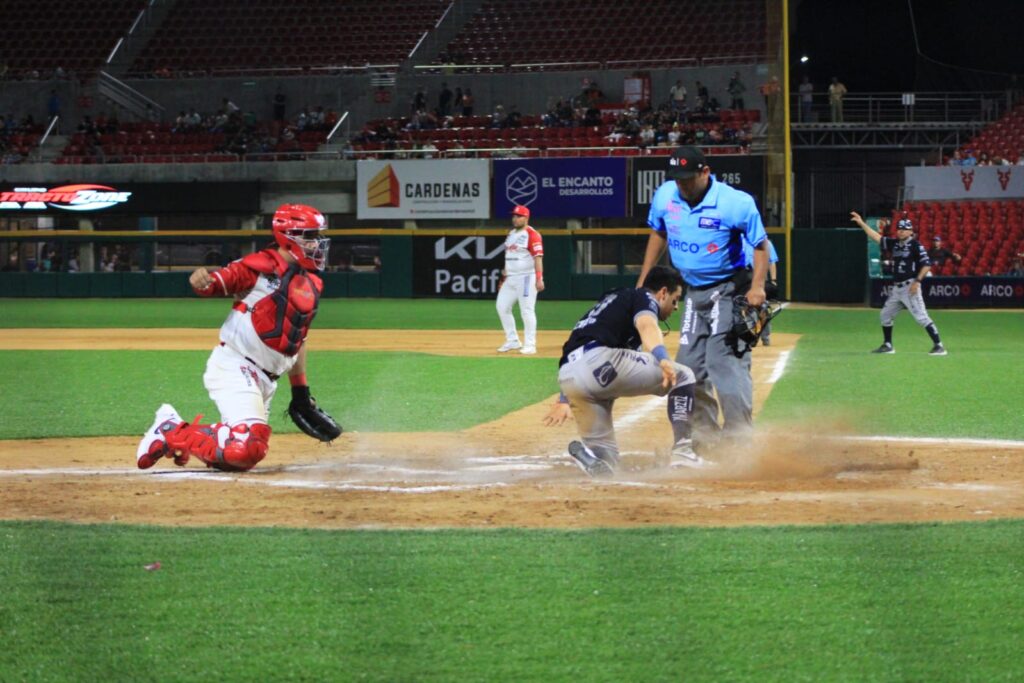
<point>522,278</point>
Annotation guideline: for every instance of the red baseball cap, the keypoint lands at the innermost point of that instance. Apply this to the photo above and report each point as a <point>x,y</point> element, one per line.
<point>520,210</point>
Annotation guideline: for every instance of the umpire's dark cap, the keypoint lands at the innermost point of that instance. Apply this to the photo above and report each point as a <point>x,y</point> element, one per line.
<point>685,162</point>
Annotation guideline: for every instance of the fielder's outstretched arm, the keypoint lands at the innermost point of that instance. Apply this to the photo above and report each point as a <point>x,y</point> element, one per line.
<point>655,248</point>
<point>871,232</point>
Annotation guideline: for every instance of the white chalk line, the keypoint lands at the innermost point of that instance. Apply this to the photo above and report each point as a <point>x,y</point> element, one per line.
<point>937,441</point>
<point>780,367</point>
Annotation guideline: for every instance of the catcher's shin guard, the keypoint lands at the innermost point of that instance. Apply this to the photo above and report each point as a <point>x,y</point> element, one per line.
<point>232,449</point>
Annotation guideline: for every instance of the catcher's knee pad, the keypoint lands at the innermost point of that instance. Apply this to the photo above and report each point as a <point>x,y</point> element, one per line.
<point>245,446</point>
<point>220,446</point>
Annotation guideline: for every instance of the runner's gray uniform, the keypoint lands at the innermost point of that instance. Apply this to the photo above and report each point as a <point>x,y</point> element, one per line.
<point>599,364</point>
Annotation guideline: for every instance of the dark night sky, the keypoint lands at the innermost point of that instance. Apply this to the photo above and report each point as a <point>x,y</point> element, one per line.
<point>869,44</point>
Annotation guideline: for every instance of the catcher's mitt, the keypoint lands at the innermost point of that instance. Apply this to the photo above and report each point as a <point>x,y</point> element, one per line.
<point>748,323</point>
<point>309,417</point>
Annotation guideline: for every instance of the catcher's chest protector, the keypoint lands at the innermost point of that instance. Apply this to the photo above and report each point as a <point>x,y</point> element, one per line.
<point>283,307</point>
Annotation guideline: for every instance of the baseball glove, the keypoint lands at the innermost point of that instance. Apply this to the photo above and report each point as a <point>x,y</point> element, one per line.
<point>310,418</point>
<point>748,323</point>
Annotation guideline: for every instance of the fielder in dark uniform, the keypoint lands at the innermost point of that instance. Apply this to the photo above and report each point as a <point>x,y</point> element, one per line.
<point>910,265</point>
<point>600,363</point>
<point>704,223</point>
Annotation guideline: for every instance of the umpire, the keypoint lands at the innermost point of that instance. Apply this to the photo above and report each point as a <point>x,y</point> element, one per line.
<point>909,268</point>
<point>703,222</point>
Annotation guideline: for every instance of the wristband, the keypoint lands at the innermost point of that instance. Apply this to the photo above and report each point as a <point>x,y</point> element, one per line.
<point>562,398</point>
<point>298,380</point>
<point>659,352</point>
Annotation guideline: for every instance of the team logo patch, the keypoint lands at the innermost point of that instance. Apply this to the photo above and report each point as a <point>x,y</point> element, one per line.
<point>709,223</point>
<point>712,248</point>
<point>605,374</point>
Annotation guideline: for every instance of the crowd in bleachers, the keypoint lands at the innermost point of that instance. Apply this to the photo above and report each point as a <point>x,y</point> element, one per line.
<point>584,120</point>
<point>227,134</point>
<point>17,138</point>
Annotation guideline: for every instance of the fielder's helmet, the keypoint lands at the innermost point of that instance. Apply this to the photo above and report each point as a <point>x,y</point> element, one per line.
<point>297,229</point>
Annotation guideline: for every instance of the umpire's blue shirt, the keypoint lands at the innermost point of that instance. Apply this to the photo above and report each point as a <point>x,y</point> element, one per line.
<point>705,242</point>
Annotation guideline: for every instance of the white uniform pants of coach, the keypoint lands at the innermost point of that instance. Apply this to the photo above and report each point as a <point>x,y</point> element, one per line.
<point>900,298</point>
<point>521,288</point>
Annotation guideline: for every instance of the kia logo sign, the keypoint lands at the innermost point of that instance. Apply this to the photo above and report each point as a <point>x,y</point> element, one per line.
<point>66,197</point>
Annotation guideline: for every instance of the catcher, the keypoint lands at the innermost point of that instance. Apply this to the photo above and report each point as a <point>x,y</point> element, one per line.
<point>276,297</point>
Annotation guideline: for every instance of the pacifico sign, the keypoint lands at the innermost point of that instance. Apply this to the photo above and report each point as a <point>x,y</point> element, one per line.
<point>65,198</point>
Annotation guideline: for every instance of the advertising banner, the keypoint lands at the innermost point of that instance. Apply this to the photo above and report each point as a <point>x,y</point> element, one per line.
<point>457,267</point>
<point>961,292</point>
<point>146,199</point>
<point>744,172</point>
<point>555,188</point>
<point>964,182</point>
<point>422,189</point>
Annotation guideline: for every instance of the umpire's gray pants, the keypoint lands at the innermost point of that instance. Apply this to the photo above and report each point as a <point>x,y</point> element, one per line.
<point>706,318</point>
<point>900,298</point>
<point>593,379</point>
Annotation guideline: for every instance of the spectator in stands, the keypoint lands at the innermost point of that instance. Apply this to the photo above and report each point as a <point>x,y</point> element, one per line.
<point>193,120</point>
<point>1020,160</point>
<point>444,101</point>
<point>230,107</point>
<point>983,160</point>
<point>939,254</point>
<point>12,265</point>
<point>279,105</point>
<point>53,107</point>
<point>419,100</point>
<point>702,96</point>
<point>771,90</point>
<point>736,88</point>
<point>836,93</point>
<point>59,73</point>
<point>673,137</point>
<point>498,117</point>
<point>514,119</point>
<point>646,137</point>
<point>677,96</point>
<point>1017,266</point>
<point>467,102</point>
<point>957,159</point>
<point>968,158</point>
<point>73,266</point>
<point>806,99</point>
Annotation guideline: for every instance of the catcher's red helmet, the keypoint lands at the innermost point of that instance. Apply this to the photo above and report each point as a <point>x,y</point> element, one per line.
<point>297,229</point>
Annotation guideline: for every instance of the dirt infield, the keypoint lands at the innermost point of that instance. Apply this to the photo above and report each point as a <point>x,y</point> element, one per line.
<point>510,472</point>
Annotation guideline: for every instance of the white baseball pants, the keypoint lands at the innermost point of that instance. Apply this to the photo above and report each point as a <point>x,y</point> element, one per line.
<point>521,288</point>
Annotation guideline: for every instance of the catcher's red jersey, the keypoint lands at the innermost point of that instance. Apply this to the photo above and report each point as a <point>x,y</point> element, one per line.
<point>275,304</point>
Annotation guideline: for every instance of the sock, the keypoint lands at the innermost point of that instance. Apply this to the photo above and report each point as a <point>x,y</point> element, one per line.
<point>680,407</point>
<point>933,332</point>
<point>887,331</point>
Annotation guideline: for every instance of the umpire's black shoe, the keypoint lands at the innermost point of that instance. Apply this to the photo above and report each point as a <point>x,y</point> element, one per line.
<point>937,350</point>
<point>884,348</point>
<point>588,461</point>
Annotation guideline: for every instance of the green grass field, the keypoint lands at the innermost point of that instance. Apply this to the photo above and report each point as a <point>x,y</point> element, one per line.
<point>872,603</point>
